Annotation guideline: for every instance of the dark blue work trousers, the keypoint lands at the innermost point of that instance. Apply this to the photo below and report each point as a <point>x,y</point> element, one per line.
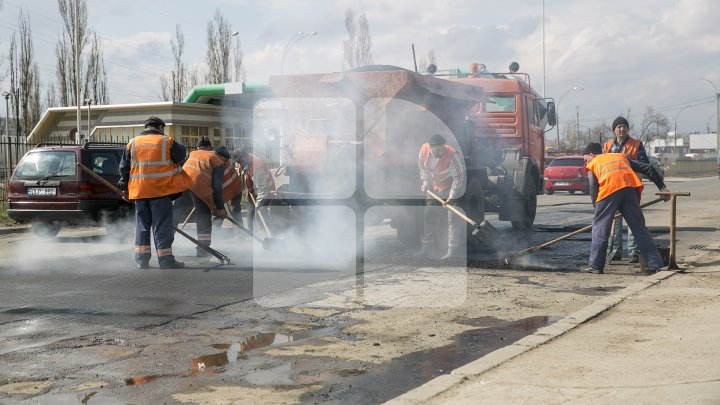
<point>627,201</point>
<point>154,214</point>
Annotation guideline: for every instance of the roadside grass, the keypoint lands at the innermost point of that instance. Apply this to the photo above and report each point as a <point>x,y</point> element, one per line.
<point>4,218</point>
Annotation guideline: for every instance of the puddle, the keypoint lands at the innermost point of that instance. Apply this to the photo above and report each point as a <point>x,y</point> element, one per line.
<point>232,352</point>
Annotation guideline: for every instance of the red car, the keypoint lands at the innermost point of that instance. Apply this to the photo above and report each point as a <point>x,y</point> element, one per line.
<point>566,173</point>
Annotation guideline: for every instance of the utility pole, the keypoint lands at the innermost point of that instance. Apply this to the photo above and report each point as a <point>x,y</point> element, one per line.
<point>577,122</point>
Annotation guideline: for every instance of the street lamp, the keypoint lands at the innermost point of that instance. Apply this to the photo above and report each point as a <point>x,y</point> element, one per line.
<point>717,106</point>
<point>88,101</point>
<point>295,38</point>
<point>7,126</point>
<point>675,123</point>
<point>557,112</point>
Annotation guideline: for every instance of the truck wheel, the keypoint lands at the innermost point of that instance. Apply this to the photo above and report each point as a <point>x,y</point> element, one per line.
<point>45,229</point>
<point>409,228</point>
<point>528,207</point>
<point>474,201</point>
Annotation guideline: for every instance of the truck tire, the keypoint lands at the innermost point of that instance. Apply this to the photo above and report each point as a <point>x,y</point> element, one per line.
<point>474,201</point>
<point>409,228</point>
<point>528,205</point>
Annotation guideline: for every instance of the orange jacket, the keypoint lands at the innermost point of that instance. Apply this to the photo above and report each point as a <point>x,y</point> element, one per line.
<point>630,148</point>
<point>199,166</point>
<point>232,183</point>
<point>613,172</point>
<point>152,172</point>
<point>441,178</point>
<point>257,172</point>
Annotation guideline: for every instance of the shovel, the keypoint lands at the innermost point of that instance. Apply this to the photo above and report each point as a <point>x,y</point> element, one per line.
<point>483,232</point>
<point>267,243</point>
<point>507,259</point>
<point>223,259</point>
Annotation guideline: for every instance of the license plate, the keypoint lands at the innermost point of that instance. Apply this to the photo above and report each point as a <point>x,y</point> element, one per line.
<point>42,191</point>
<point>562,183</point>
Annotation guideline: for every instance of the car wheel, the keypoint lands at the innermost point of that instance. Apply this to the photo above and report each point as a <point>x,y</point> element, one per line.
<point>549,191</point>
<point>571,191</point>
<point>45,229</point>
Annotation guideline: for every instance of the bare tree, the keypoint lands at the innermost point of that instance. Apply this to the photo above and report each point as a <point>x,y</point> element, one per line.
<point>219,32</point>
<point>96,81</point>
<point>653,124</point>
<point>175,84</point>
<point>94,77</point>
<point>357,48</point>
<point>24,78</point>
<point>238,66</point>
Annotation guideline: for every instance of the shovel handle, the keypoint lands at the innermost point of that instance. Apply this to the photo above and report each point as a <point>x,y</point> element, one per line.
<point>508,258</point>
<point>224,259</point>
<point>452,208</point>
<point>260,215</point>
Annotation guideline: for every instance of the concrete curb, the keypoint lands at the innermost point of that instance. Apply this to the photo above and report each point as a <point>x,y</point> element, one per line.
<point>11,230</point>
<point>543,335</point>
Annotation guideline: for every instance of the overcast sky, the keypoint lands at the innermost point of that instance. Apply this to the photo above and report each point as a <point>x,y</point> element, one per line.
<point>626,54</point>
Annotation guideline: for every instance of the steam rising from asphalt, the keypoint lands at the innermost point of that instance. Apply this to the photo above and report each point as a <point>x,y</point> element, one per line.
<point>315,141</point>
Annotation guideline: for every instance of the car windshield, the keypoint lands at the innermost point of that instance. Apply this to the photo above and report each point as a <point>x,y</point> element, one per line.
<point>46,164</point>
<point>568,162</point>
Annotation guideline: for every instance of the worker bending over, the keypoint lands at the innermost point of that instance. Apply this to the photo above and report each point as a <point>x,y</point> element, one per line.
<point>258,181</point>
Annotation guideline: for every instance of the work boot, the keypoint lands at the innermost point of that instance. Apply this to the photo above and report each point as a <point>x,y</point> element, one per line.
<point>143,265</point>
<point>588,269</point>
<point>635,259</point>
<point>200,252</point>
<point>426,251</point>
<point>172,264</point>
<point>452,253</point>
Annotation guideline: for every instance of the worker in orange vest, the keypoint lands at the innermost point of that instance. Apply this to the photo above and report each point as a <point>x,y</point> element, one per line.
<point>206,169</point>
<point>232,187</point>
<point>441,171</point>
<point>258,181</point>
<point>151,172</point>
<point>614,186</point>
<point>634,150</point>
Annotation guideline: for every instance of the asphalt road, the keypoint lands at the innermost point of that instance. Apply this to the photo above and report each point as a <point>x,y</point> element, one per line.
<point>84,282</point>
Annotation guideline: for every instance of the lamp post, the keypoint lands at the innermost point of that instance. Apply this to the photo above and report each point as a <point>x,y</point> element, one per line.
<point>717,112</point>
<point>295,38</point>
<point>234,34</point>
<point>88,101</point>
<point>7,126</point>
<point>557,111</point>
<point>675,123</point>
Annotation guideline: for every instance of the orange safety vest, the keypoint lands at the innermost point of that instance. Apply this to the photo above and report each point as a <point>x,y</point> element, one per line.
<point>257,164</point>
<point>199,166</point>
<point>613,172</point>
<point>152,172</point>
<point>630,147</point>
<point>232,183</point>
<point>441,179</point>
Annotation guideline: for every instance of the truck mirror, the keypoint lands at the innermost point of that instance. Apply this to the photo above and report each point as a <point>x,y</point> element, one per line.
<point>552,117</point>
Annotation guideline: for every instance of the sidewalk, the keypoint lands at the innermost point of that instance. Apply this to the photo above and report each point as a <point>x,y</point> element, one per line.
<point>656,341</point>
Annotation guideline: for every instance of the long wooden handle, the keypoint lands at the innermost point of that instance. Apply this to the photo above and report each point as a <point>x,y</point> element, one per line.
<point>224,259</point>
<point>452,208</point>
<point>508,258</point>
<point>260,215</point>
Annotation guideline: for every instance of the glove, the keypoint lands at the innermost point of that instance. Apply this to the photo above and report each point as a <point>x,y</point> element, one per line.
<point>122,185</point>
<point>665,197</point>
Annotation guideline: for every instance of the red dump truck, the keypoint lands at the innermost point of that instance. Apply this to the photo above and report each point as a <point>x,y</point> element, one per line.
<point>352,138</point>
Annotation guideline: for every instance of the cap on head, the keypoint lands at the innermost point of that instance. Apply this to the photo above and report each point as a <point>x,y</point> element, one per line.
<point>594,148</point>
<point>619,121</point>
<point>223,151</point>
<point>204,143</point>
<point>436,140</point>
<point>239,154</point>
<point>154,121</point>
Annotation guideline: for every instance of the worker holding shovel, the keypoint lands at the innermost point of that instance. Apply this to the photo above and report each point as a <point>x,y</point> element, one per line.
<point>614,186</point>
<point>259,184</point>
<point>441,172</point>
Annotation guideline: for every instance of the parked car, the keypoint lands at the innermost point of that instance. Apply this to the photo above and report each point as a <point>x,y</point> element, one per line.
<point>566,173</point>
<point>49,191</point>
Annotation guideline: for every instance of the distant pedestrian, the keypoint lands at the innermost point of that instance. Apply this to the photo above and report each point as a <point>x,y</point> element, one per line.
<point>614,186</point>
<point>151,172</point>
